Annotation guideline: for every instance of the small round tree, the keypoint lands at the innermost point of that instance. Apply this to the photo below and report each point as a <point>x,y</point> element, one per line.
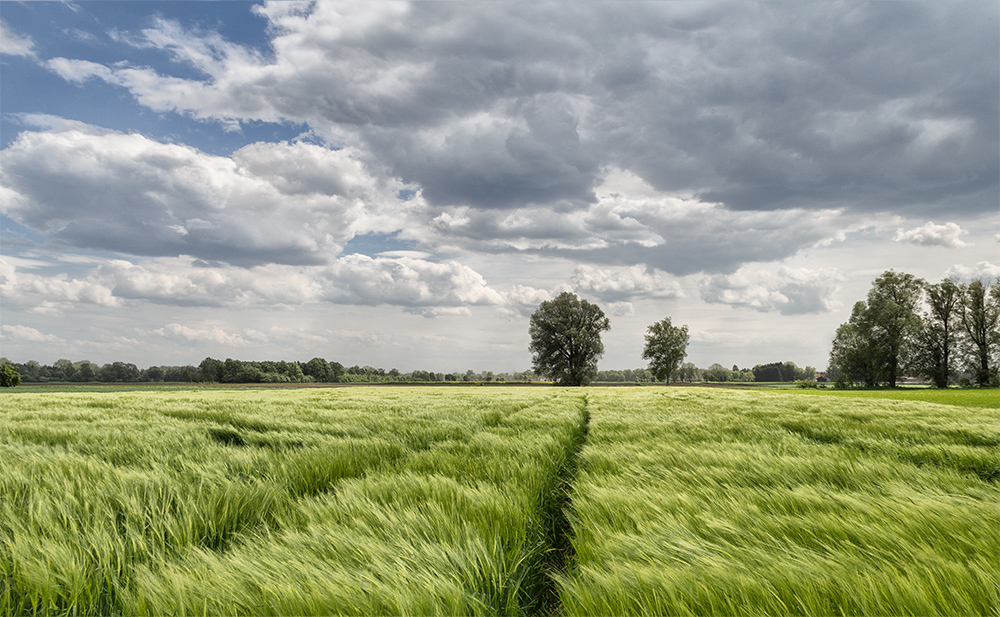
<point>566,339</point>
<point>666,348</point>
<point>9,377</point>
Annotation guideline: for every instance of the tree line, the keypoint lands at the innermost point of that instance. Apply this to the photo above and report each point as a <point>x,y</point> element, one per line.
<point>944,332</point>
<point>229,370</point>
<point>689,373</point>
<point>319,370</point>
<point>565,345</point>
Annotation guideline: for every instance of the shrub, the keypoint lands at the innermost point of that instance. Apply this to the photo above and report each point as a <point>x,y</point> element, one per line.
<point>805,383</point>
<point>9,377</point>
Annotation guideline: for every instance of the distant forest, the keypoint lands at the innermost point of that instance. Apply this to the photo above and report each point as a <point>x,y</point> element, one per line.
<point>319,370</point>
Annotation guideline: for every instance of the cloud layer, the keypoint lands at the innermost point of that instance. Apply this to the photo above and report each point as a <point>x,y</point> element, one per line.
<point>287,203</point>
<point>867,106</point>
<point>230,176</point>
<point>414,284</point>
<point>300,204</point>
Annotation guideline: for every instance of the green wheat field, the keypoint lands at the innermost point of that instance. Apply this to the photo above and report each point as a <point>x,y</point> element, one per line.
<point>499,501</point>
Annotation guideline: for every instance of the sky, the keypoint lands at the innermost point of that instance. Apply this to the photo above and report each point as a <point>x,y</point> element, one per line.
<point>401,184</point>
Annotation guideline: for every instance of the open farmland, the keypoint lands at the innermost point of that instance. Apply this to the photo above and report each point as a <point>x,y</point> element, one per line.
<point>449,501</point>
<point>697,502</point>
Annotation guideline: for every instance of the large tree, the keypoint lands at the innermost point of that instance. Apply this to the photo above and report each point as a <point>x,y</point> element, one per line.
<point>936,340</point>
<point>980,313</point>
<point>856,357</point>
<point>869,349</point>
<point>666,348</point>
<point>892,316</point>
<point>566,339</point>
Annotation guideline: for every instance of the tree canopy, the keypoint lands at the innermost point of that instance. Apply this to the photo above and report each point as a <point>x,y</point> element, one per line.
<point>666,348</point>
<point>886,335</point>
<point>566,339</point>
<point>932,356</point>
<point>892,313</point>
<point>980,314</point>
<point>9,377</point>
<point>869,348</point>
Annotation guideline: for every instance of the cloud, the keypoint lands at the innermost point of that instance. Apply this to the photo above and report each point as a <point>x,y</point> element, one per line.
<point>868,107</point>
<point>984,270</point>
<point>789,291</point>
<point>624,283</point>
<point>425,287</point>
<point>621,309</point>
<point>634,224</point>
<point>27,334</point>
<point>49,293</point>
<point>299,204</point>
<point>13,44</point>
<point>287,203</point>
<point>496,161</point>
<point>639,137</point>
<point>404,281</point>
<point>79,71</point>
<point>211,334</point>
<point>931,234</point>
<point>174,282</point>
<point>441,311</point>
<point>522,300</point>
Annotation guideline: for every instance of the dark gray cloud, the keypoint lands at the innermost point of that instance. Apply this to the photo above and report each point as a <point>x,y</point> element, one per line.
<point>871,106</point>
<point>868,105</point>
<point>677,236</point>
<point>775,121</point>
<point>874,106</point>
<point>532,156</point>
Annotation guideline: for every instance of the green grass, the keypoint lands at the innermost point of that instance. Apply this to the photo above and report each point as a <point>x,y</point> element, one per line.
<point>361,501</point>
<point>986,398</point>
<point>697,502</point>
<point>450,501</point>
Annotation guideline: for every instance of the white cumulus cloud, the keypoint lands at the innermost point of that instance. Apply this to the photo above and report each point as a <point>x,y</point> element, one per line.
<point>931,234</point>
<point>405,281</point>
<point>24,287</point>
<point>789,291</point>
<point>25,333</point>
<point>292,203</point>
<point>982,270</point>
<point>415,284</point>
<point>624,282</point>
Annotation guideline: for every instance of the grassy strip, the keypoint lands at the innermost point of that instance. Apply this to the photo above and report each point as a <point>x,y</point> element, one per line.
<point>559,556</point>
<point>695,502</point>
<point>984,398</point>
<point>358,501</point>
